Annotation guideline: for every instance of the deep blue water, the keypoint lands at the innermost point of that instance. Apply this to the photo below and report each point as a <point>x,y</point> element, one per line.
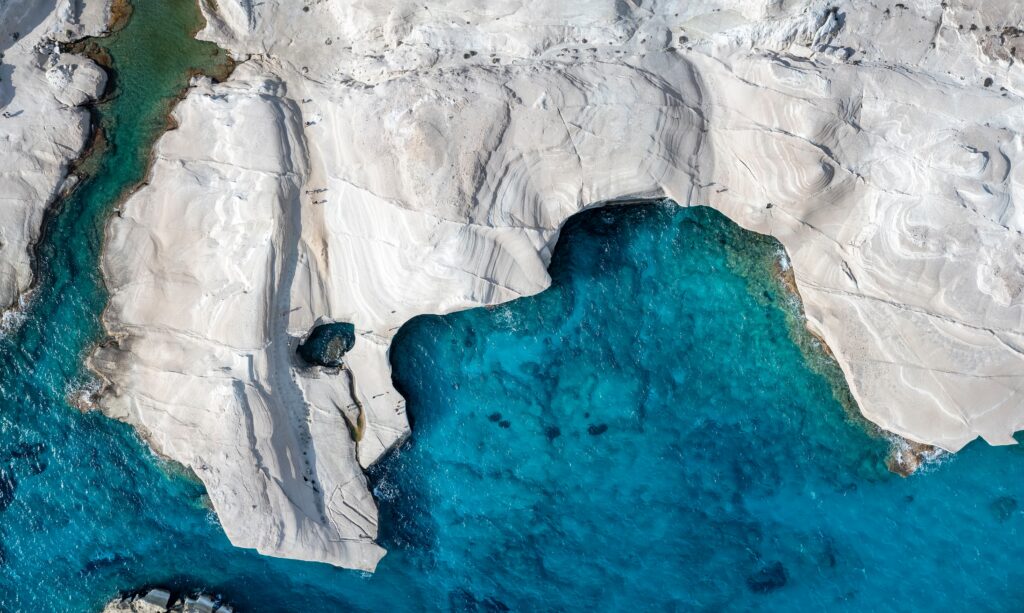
<point>654,432</point>
<point>647,433</point>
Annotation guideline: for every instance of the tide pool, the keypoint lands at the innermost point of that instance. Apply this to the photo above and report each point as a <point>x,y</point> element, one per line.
<point>655,432</point>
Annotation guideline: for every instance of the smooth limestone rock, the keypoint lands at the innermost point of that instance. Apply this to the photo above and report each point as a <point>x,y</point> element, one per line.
<point>280,471</point>
<point>42,125</point>
<point>369,162</point>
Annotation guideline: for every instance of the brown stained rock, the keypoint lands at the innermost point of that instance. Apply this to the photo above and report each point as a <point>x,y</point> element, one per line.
<point>907,456</point>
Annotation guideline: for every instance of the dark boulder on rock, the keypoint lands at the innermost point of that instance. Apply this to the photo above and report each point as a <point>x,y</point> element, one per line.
<point>326,344</point>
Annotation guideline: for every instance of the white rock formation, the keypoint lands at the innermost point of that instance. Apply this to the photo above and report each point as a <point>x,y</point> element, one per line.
<point>42,127</point>
<point>161,601</point>
<point>369,162</point>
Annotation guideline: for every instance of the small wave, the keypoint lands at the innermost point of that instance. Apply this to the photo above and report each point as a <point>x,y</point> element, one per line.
<point>783,258</point>
<point>83,395</point>
<point>908,458</point>
<point>12,319</point>
<point>386,490</point>
<point>506,318</point>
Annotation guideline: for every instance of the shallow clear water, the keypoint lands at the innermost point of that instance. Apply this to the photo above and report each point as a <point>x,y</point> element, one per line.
<point>654,431</point>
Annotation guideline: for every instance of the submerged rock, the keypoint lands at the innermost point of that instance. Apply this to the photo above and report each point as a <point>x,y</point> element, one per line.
<point>29,456</point>
<point>768,578</point>
<point>463,601</point>
<point>1004,507</point>
<point>8,483</point>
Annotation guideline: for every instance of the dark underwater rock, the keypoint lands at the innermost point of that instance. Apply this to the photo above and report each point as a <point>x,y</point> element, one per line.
<point>768,578</point>
<point>7,486</point>
<point>464,601</point>
<point>28,450</point>
<point>29,455</point>
<point>1004,507</point>
<point>106,560</point>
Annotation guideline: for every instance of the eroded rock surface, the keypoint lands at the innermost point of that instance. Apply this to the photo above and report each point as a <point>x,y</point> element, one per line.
<point>369,162</point>
<point>43,127</point>
<point>159,600</point>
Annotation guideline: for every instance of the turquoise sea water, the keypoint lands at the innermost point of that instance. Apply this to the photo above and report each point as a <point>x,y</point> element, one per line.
<point>654,432</point>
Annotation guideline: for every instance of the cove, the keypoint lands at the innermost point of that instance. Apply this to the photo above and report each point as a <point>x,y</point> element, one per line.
<point>659,428</point>
<point>655,430</point>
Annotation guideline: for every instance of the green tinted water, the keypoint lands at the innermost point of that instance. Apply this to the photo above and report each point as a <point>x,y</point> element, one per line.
<point>151,60</point>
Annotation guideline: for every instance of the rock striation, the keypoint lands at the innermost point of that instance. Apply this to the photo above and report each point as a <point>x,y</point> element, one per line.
<point>370,162</point>
<point>43,125</point>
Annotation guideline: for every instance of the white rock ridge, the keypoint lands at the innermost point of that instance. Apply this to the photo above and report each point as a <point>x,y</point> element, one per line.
<point>369,162</point>
<point>42,125</point>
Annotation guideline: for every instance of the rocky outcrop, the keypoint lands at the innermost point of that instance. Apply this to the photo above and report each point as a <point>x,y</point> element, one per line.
<point>159,600</point>
<point>371,162</point>
<point>327,344</point>
<point>43,127</point>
